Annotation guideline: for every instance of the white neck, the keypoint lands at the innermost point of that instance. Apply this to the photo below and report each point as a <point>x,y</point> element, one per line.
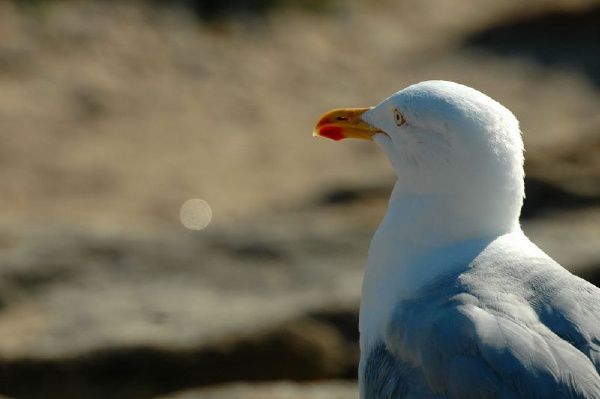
<point>420,238</point>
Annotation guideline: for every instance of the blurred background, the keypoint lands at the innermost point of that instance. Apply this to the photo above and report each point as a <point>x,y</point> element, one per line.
<point>169,228</point>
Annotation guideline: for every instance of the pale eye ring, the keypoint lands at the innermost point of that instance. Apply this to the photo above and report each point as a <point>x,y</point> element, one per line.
<point>399,118</point>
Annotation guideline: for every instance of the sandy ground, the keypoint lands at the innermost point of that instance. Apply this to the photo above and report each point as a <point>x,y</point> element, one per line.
<point>113,116</point>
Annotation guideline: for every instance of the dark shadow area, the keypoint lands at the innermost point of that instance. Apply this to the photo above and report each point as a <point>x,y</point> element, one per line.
<point>590,273</point>
<point>348,195</point>
<point>210,10</point>
<point>543,197</point>
<point>291,352</point>
<point>217,10</point>
<point>561,38</point>
<point>344,321</point>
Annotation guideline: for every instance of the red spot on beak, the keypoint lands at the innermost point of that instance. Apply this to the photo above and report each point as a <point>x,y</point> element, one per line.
<point>331,132</point>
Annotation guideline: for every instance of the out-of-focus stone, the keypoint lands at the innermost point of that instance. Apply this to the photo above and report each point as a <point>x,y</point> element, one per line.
<point>281,390</point>
<point>99,314</point>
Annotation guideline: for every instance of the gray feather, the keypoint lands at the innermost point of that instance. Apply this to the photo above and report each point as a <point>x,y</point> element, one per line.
<point>507,326</point>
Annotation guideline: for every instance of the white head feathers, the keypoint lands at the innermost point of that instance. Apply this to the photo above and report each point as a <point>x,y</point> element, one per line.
<point>454,142</point>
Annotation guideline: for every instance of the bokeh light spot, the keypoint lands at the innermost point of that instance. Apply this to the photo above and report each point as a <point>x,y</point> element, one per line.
<point>195,214</point>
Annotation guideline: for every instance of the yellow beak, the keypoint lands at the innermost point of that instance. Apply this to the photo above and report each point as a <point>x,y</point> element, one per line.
<point>339,124</point>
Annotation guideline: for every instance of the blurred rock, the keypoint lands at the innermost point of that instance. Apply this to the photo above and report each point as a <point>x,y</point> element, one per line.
<point>575,167</point>
<point>565,36</point>
<point>283,390</point>
<point>571,238</point>
<point>122,314</point>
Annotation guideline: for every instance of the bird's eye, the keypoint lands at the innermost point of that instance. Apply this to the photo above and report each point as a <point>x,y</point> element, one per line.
<point>399,118</point>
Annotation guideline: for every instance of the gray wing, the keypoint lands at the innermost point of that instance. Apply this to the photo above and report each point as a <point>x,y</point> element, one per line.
<point>522,328</point>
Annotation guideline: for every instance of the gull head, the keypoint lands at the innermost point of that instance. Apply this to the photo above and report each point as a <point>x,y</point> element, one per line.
<point>445,141</point>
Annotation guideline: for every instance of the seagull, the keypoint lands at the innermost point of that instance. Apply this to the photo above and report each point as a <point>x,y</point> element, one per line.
<point>456,301</point>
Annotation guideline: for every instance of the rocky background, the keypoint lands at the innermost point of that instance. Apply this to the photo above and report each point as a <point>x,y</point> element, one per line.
<point>113,114</point>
